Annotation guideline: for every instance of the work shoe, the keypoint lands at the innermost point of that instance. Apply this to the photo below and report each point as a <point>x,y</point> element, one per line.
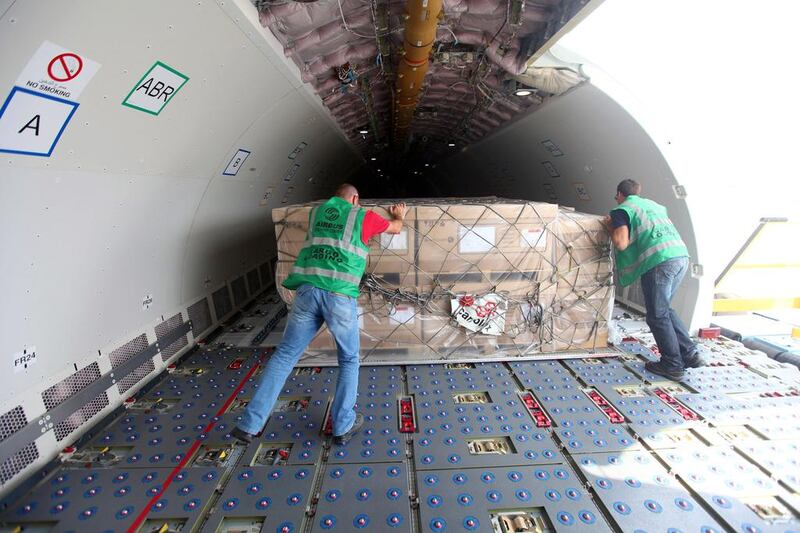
<point>656,367</point>
<point>242,435</point>
<point>341,440</point>
<point>694,361</point>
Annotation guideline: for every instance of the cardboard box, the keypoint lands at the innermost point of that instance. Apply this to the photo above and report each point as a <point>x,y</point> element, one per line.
<point>391,257</point>
<point>582,241</point>
<point>491,246</point>
<point>442,333</point>
<point>529,252</point>
<point>291,227</point>
<point>382,325</point>
<point>574,321</point>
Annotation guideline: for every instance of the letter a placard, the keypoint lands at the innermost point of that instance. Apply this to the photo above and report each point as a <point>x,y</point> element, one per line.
<point>155,89</point>
<point>31,123</point>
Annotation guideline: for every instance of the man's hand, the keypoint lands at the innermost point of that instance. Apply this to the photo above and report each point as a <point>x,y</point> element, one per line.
<point>607,223</point>
<point>398,211</point>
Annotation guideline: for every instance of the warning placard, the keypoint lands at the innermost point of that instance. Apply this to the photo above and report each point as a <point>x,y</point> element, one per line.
<point>155,89</point>
<point>57,71</point>
<point>582,192</point>
<point>31,123</point>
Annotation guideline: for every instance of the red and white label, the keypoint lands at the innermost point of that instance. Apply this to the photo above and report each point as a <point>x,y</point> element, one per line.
<point>57,71</point>
<point>482,314</point>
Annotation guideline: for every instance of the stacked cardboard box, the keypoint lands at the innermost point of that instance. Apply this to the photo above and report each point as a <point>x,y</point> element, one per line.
<point>580,304</point>
<point>552,265</point>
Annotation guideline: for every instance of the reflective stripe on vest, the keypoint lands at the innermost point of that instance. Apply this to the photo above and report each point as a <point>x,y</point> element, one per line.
<point>644,223</point>
<point>347,236</point>
<point>325,273</point>
<point>345,245</point>
<point>650,251</point>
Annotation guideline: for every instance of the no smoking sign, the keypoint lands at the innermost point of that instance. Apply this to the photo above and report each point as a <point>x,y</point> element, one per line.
<point>56,71</point>
<point>65,67</point>
<point>38,109</point>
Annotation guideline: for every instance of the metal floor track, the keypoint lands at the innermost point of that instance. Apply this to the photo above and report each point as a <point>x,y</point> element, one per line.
<point>580,444</point>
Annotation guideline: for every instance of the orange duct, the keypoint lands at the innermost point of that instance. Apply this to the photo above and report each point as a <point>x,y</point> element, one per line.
<point>422,16</point>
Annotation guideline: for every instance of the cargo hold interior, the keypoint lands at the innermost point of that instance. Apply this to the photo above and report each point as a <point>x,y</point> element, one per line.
<point>144,149</point>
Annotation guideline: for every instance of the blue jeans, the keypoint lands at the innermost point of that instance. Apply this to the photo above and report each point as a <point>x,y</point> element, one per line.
<point>659,285</point>
<point>311,307</point>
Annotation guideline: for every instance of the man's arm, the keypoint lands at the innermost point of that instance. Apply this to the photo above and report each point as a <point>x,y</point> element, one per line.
<point>398,212</point>
<point>620,235</point>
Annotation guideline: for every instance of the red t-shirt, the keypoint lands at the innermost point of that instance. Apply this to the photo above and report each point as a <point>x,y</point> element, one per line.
<point>373,225</point>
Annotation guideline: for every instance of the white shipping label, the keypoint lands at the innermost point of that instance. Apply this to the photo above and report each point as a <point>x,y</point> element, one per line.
<point>533,238</point>
<point>395,242</point>
<point>24,359</point>
<point>403,314</point>
<point>58,72</point>
<point>361,312</point>
<point>474,240</point>
<point>483,314</point>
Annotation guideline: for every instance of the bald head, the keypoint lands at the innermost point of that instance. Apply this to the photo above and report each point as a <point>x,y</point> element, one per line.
<point>348,192</point>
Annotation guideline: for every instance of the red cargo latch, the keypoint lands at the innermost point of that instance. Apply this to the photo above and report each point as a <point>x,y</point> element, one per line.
<point>236,364</point>
<point>678,407</point>
<point>614,416</point>
<point>407,414</point>
<point>534,409</point>
<point>709,333</point>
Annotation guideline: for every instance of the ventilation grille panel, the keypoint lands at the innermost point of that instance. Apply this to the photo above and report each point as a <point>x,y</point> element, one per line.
<point>10,423</point>
<point>136,376</point>
<point>70,385</point>
<point>239,291</point>
<point>253,281</point>
<point>222,302</point>
<point>81,416</point>
<point>123,354</point>
<point>164,329</point>
<point>200,316</point>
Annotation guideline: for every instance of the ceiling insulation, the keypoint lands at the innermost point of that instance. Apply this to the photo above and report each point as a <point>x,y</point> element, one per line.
<point>349,50</point>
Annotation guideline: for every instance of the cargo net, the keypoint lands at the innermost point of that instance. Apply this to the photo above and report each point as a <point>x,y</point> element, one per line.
<point>473,278</point>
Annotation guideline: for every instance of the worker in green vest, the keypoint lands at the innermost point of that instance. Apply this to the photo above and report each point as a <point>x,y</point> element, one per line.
<point>326,277</point>
<point>648,247</point>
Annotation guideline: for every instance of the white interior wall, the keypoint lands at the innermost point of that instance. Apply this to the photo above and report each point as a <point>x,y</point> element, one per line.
<point>131,204</point>
<point>716,91</point>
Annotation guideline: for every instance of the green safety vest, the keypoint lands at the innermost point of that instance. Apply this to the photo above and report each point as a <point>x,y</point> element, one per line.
<point>334,257</point>
<point>653,239</point>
